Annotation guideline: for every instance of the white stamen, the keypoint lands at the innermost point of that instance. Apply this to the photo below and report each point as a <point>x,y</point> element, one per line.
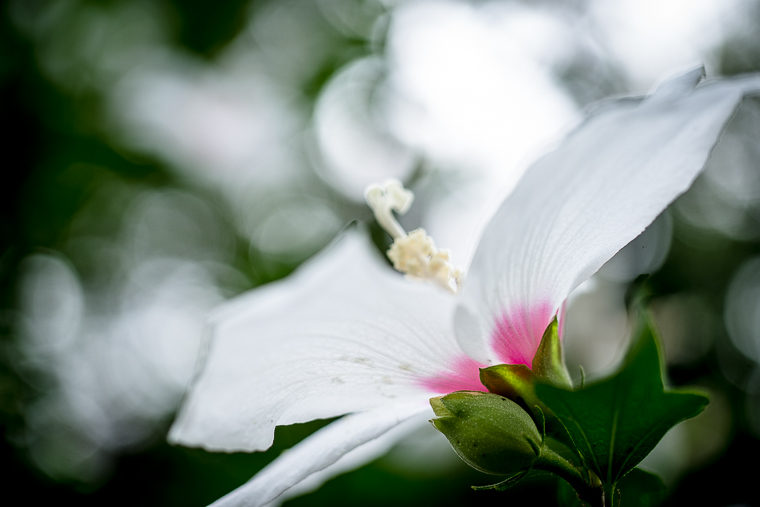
<point>386,198</point>
<point>413,254</point>
<point>416,256</point>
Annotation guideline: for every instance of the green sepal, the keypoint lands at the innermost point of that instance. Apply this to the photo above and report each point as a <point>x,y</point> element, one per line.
<point>549,363</point>
<point>489,432</point>
<point>505,484</point>
<point>517,382</point>
<point>513,381</point>
<point>614,423</point>
<point>495,435</point>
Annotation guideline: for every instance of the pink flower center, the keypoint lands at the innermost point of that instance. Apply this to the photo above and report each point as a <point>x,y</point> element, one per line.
<point>463,375</point>
<point>515,339</point>
<point>518,332</point>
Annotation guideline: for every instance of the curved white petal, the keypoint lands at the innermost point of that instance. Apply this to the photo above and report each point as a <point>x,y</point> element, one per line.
<point>318,451</point>
<point>580,204</point>
<point>361,455</point>
<point>343,334</point>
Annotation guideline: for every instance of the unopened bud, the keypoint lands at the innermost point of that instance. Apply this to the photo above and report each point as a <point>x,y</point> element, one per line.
<point>489,432</point>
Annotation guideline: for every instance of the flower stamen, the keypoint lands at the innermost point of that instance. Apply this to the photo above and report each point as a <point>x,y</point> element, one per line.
<point>413,254</point>
<point>386,198</point>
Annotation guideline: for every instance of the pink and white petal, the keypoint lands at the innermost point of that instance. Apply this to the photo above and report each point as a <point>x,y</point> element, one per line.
<point>578,205</point>
<point>361,455</point>
<point>319,451</point>
<point>344,334</point>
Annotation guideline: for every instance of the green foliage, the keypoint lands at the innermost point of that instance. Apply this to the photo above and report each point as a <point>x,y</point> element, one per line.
<point>614,423</point>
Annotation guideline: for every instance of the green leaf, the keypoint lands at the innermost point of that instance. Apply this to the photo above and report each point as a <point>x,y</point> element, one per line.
<point>616,422</point>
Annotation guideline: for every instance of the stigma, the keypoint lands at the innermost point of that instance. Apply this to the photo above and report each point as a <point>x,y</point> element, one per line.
<point>413,254</point>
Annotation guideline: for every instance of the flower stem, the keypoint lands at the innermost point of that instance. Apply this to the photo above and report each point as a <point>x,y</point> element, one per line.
<point>610,498</point>
<point>550,461</point>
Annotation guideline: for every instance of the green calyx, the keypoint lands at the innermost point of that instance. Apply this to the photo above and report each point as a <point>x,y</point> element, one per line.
<point>489,432</point>
<point>495,435</point>
<point>517,380</point>
<point>518,383</point>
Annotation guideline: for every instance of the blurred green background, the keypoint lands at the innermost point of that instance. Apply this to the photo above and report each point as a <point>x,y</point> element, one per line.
<point>162,156</point>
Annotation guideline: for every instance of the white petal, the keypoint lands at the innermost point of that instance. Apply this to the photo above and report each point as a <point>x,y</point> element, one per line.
<point>315,453</point>
<point>360,456</point>
<point>344,334</point>
<point>580,204</point>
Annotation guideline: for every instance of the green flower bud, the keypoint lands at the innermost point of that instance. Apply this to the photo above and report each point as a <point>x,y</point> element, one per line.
<point>489,432</point>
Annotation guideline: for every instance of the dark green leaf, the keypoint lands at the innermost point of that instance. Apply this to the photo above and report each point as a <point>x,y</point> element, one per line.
<point>616,422</point>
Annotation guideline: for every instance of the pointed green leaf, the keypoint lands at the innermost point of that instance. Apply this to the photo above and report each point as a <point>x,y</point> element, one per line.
<point>616,422</point>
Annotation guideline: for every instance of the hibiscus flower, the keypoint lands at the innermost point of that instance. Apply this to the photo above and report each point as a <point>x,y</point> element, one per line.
<point>346,334</point>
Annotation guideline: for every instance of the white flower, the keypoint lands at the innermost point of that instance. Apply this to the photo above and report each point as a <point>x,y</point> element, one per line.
<point>347,335</point>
